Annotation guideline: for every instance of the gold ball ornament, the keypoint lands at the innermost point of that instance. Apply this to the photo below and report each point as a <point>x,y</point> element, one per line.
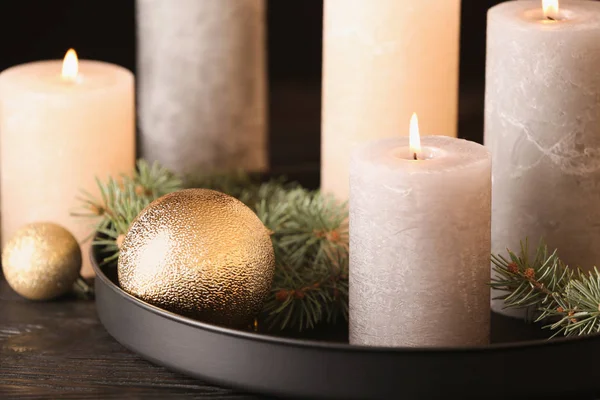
<point>41,261</point>
<point>199,253</point>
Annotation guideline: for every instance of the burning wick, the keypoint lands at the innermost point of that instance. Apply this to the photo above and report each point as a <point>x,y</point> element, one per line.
<point>70,66</point>
<point>414,138</point>
<point>550,8</point>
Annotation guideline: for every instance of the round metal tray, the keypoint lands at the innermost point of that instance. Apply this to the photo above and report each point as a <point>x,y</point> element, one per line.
<point>327,367</point>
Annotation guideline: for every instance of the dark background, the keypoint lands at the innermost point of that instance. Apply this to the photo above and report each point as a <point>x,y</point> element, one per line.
<point>105,30</point>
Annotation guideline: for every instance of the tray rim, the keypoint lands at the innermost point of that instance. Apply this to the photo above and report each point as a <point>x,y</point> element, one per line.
<point>337,346</point>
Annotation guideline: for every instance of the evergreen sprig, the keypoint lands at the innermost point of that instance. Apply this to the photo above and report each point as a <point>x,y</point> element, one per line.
<point>310,238</point>
<point>309,234</point>
<point>566,299</point>
<point>121,200</point>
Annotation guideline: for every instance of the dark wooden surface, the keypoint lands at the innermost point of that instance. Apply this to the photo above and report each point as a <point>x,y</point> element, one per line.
<point>60,350</point>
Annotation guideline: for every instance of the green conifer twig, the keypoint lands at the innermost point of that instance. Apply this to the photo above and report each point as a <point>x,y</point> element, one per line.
<point>309,234</point>
<point>565,298</point>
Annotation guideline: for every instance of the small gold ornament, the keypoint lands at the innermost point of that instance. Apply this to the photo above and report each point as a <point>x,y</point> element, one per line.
<point>199,253</point>
<point>41,261</point>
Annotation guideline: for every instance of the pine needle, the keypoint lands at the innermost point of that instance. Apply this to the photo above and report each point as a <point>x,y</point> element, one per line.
<point>565,298</point>
<point>309,234</point>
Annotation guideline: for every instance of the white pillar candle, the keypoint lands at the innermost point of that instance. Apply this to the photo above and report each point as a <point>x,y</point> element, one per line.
<point>542,126</point>
<point>420,243</point>
<point>58,133</point>
<point>381,60</point>
<point>202,84</point>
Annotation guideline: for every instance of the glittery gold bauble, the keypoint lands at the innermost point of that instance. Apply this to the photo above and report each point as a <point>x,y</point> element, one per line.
<point>199,253</point>
<point>41,261</point>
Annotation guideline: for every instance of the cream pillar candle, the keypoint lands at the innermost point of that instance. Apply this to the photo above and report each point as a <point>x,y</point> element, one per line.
<point>381,60</point>
<point>57,134</point>
<point>420,243</point>
<point>202,84</point>
<point>542,126</point>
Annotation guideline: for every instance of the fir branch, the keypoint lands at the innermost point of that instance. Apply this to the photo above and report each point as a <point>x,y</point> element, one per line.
<point>236,183</point>
<point>316,227</point>
<point>120,201</point>
<point>565,298</point>
<point>311,246</point>
<point>154,181</point>
<point>309,234</point>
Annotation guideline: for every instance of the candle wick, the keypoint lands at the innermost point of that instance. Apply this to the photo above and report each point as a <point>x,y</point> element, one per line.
<point>415,156</point>
<point>550,18</point>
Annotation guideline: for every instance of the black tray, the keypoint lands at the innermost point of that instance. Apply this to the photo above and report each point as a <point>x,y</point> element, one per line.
<point>326,366</point>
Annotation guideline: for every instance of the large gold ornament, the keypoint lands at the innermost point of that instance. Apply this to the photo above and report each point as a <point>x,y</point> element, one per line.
<point>41,261</point>
<point>199,253</point>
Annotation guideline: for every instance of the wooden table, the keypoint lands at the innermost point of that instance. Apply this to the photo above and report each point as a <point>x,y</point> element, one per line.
<point>60,349</point>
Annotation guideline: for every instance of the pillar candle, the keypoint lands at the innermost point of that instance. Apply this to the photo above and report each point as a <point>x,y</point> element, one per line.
<point>420,243</point>
<point>201,84</point>
<point>542,126</point>
<point>381,60</point>
<point>58,132</point>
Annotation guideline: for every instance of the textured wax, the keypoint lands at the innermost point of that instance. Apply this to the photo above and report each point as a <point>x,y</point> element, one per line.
<point>542,126</point>
<point>382,60</point>
<point>58,135</point>
<point>202,84</point>
<point>420,243</point>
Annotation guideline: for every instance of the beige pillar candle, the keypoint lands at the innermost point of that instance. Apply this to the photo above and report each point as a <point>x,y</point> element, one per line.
<point>542,126</point>
<point>202,84</point>
<point>420,243</point>
<point>382,60</point>
<point>57,134</point>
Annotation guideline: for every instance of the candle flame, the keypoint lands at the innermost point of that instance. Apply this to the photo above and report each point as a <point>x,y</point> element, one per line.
<point>414,138</point>
<point>550,8</point>
<point>70,66</point>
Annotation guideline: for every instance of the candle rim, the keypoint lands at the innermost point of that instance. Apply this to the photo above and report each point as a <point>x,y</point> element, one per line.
<point>45,83</point>
<point>537,16</point>
<point>426,153</point>
<point>582,15</point>
<point>379,154</point>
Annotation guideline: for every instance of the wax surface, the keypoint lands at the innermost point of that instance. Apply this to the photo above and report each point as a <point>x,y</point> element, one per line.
<point>382,61</point>
<point>420,244</point>
<point>542,126</point>
<point>202,84</point>
<point>57,136</point>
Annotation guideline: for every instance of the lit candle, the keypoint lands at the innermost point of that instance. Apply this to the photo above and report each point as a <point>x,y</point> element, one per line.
<point>381,59</point>
<point>59,132</point>
<point>419,242</point>
<point>542,126</point>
